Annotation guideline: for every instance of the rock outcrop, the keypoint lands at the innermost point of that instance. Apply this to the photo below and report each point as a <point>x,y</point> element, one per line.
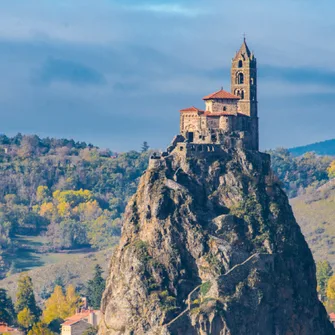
<point>210,246</point>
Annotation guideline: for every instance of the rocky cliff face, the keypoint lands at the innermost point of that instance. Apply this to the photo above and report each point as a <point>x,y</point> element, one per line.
<point>210,246</point>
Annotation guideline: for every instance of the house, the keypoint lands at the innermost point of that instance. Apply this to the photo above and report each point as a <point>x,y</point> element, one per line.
<point>332,318</point>
<point>79,322</point>
<point>5,329</point>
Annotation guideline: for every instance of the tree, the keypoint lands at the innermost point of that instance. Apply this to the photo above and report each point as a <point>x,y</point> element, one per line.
<point>7,312</point>
<point>55,306</point>
<point>72,300</point>
<point>331,170</point>
<point>60,306</point>
<point>95,288</point>
<point>40,329</point>
<point>25,318</point>
<point>25,297</point>
<point>90,331</point>
<point>42,194</point>
<point>323,273</point>
<point>145,147</point>
<point>331,288</point>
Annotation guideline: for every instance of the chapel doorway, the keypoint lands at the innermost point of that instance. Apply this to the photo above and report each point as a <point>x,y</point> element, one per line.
<point>190,136</point>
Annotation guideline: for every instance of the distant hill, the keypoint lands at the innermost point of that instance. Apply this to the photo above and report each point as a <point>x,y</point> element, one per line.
<point>320,148</point>
<point>76,270</point>
<point>315,213</point>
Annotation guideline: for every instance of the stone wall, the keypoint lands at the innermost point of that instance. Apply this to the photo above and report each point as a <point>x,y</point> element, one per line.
<point>222,105</point>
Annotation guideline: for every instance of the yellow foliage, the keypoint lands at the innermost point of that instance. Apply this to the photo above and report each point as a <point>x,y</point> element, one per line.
<point>331,288</point>
<point>74,198</point>
<point>89,210</point>
<point>55,306</point>
<point>42,193</point>
<point>64,209</point>
<point>72,299</point>
<point>40,329</point>
<point>331,170</point>
<point>60,306</point>
<point>46,209</point>
<point>25,318</point>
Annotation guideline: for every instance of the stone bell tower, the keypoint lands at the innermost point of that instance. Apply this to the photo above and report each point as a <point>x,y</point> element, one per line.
<point>244,85</point>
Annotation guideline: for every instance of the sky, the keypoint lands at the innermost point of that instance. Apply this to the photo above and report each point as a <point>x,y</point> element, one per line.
<point>116,73</point>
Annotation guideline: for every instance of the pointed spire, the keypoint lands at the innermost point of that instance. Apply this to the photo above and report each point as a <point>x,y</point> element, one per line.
<point>244,50</point>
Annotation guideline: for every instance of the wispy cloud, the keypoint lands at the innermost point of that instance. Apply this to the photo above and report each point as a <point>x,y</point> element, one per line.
<point>172,9</point>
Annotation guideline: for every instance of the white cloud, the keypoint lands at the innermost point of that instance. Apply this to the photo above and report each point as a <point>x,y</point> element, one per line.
<point>175,9</point>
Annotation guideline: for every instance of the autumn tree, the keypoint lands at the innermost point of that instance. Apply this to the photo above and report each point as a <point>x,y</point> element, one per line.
<point>72,300</point>
<point>55,306</point>
<point>25,318</point>
<point>323,273</point>
<point>40,329</point>
<point>25,297</point>
<point>7,312</point>
<point>42,194</point>
<point>60,306</point>
<point>95,288</point>
<point>331,170</point>
<point>331,288</point>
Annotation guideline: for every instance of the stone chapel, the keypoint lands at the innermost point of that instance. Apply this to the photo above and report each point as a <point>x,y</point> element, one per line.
<point>229,118</point>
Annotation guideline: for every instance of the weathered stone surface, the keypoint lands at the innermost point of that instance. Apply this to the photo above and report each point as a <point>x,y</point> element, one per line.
<point>210,246</point>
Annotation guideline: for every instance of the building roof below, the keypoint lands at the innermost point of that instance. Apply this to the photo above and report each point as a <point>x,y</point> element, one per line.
<point>222,95</point>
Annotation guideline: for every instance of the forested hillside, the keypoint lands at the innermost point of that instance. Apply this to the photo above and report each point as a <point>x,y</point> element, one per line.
<point>300,172</point>
<point>320,148</point>
<point>58,194</point>
<point>71,193</point>
<point>315,212</point>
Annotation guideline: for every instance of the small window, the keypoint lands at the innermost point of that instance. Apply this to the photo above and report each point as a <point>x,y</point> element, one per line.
<point>224,108</point>
<point>240,63</point>
<point>240,78</point>
<point>242,95</point>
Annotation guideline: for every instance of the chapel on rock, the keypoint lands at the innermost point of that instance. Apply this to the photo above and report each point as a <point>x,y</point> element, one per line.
<point>230,119</point>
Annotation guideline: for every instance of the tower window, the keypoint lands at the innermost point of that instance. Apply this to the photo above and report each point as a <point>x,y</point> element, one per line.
<point>224,108</point>
<point>240,63</point>
<point>242,94</point>
<point>240,78</point>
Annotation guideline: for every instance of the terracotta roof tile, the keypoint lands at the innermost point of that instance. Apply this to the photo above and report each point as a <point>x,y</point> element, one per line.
<point>332,315</point>
<point>77,317</point>
<point>222,94</point>
<point>191,109</point>
<point>72,322</point>
<point>5,329</point>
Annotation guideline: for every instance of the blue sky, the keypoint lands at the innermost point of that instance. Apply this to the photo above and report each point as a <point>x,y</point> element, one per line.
<point>116,73</point>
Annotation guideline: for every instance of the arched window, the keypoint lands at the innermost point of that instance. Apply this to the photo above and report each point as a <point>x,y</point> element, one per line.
<point>240,63</point>
<point>240,78</point>
<point>242,95</point>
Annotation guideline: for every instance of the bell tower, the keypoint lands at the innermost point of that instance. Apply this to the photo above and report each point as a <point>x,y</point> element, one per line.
<point>244,85</point>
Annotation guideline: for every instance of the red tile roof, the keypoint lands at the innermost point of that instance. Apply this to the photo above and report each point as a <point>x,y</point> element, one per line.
<point>5,329</point>
<point>221,95</point>
<point>332,315</point>
<point>71,322</point>
<point>191,109</point>
<point>77,317</point>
